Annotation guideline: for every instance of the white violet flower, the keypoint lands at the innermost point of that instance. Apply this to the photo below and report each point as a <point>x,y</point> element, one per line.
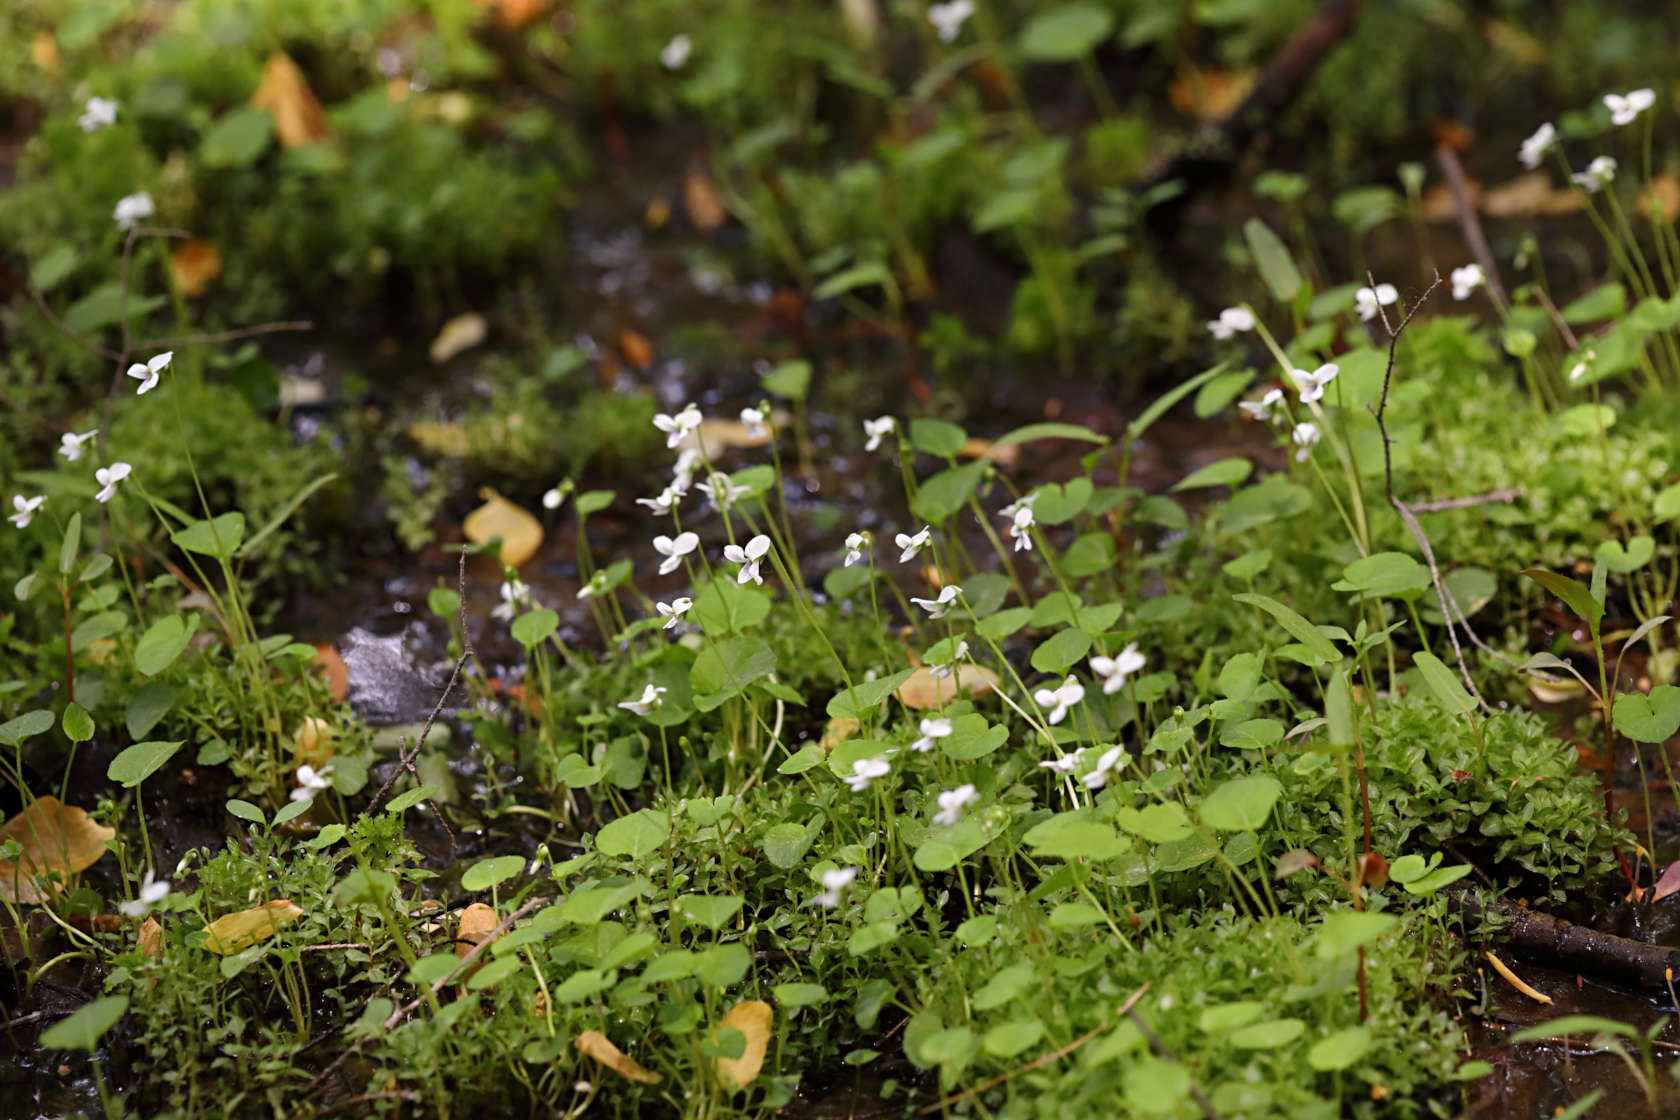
<point>1262,408</point>
<point>70,445</point>
<point>1306,437</point>
<point>1114,670</point>
<point>749,558</point>
<point>931,729</point>
<point>1466,280</point>
<point>148,373</point>
<point>553,498</point>
<point>1065,764</point>
<point>674,55</point>
<point>937,608</point>
<point>877,429</point>
<point>1020,528</point>
<point>722,491</point>
<point>865,771</point>
<point>1311,385</point>
<point>131,209</point>
<point>310,782</point>
<point>100,112</point>
<point>1231,322</point>
<point>1060,698</point>
<point>674,610</point>
<point>1537,145</point>
<point>653,696</point>
<point>664,503</point>
<point>1579,370</point>
<point>677,428</point>
<point>1600,173</point>
<point>834,881</point>
<point>674,549</point>
<point>1625,107</point>
<point>514,596</point>
<point>1368,300</point>
<point>755,419</point>
<point>948,18</point>
<point>108,477</point>
<point>855,545</point>
<point>152,892</point>
<point>597,585</point>
<point>951,804</point>
<point>682,472</point>
<point>1107,763</point>
<point>912,544</point>
<point>945,668</point>
<point>25,508</point>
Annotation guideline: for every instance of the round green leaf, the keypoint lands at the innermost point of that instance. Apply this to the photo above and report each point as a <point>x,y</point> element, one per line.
<point>1066,32</point>
<point>634,835</point>
<point>141,761</point>
<point>83,1029</point>
<point>78,725</point>
<point>487,873</point>
<point>1339,1050</point>
<point>1240,805</point>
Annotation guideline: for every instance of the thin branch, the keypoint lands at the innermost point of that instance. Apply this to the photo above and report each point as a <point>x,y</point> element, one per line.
<point>225,336</point>
<point>1508,494</point>
<point>1470,225</point>
<point>81,340</point>
<point>1161,1051</point>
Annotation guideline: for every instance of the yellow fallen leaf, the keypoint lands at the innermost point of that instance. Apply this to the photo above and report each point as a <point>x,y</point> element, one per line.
<point>598,1046</point>
<point>233,932</point>
<point>705,209</point>
<point>43,49</point>
<point>192,266</point>
<point>1529,196</point>
<point>976,448</point>
<point>461,333</point>
<point>752,1018</point>
<point>521,533</point>
<point>658,212</point>
<point>837,731</point>
<point>477,921</point>
<point>713,435</point>
<point>924,690</point>
<point>1210,95</point>
<point>285,93</point>
<point>151,938</point>
<point>55,837</point>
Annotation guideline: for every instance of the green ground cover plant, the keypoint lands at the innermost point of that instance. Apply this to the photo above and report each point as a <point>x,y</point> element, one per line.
<point>1021,793</point>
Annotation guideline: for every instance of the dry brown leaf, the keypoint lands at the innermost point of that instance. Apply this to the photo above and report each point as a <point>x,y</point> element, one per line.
<point>1441,205</point>
<point>477,921</point>
<point>1669,883</point>
<point>705,209</point>
<point>924,690</point>
<point>1529,196</point>
<point>837,731</point>
<point>461,333</point>
<point>976,448</point>
<point>150,940</point>
<point>331,665</point>
<point>598,1046</point>
<point>193,265</point>
<point>1210,95</point>
<point>313,742</point>
<point>1665,192</point>
<point>1518,44</point>
<point>515,13</point>
<point>521,533</point>
<point>637,350</point>
<point>55,837</point>
<point>284,92</point>
<point>233,932</point>
<point>752,1018</point>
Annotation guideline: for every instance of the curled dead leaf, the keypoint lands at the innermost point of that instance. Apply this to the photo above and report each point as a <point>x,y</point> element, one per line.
<point>313,742</point>
<point>976,448</point>
<point>477,921</point>
<point>596,1045</point>
<point>837,731</point>
<point>150,939</point>
<point>1668,883</point>
<point>192,265</point>
<point>233,932</point>
<point>330,664</point>
<point>1529,196</point>
<point>752,1018</point>
<point>461,333</point>
<point>924,690</point>
<point>1292,861</point>
<point>285,93</point>
<point>521,533</point>
<point>637,350</point>
<point>55,838</point>
<point>1441,205</point>
<point>1373,869</point>
<point>705,209</point>
<point>1210,95</point>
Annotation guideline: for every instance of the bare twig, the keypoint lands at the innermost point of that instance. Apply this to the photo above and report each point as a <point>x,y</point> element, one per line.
<point>36,1017</point>
<point>1556,316</point>
<point>1507,494</point>
<point>83,341</point>
<point>1470,224</point>
<point>226,336</point>
<point>1036,1063</point>
<point>405,756</point>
